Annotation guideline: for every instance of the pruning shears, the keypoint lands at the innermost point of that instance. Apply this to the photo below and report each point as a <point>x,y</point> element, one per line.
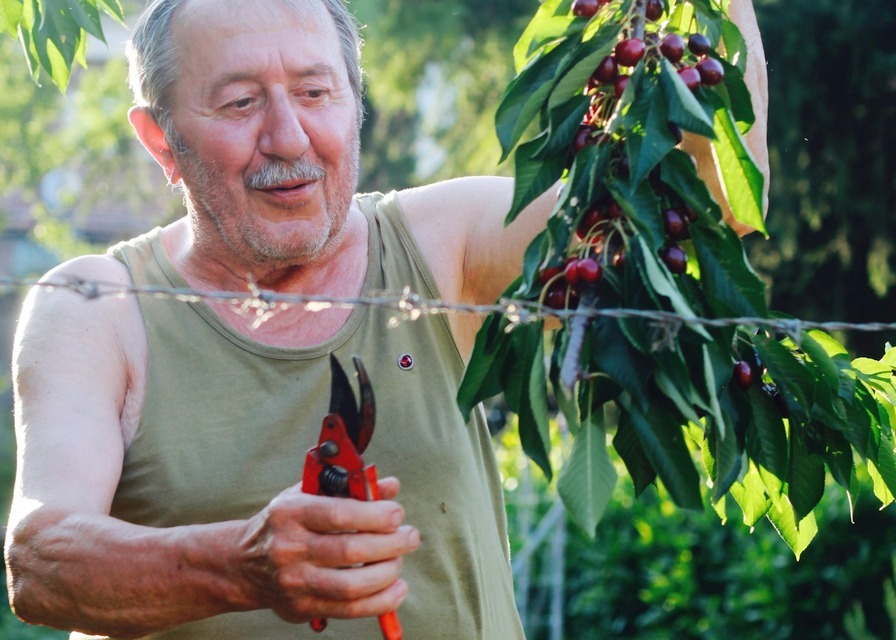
<point>334,467</point>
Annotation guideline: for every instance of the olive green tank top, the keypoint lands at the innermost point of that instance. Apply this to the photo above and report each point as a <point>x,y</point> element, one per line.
<point>227,421</point>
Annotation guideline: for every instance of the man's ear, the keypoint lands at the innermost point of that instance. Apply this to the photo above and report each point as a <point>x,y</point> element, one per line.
<point>153,138</point>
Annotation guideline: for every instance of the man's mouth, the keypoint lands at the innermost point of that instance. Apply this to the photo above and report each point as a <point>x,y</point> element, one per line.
<point>291,187</point>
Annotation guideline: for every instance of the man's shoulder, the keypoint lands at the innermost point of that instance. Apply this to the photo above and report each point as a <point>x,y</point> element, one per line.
<point>84,271</point>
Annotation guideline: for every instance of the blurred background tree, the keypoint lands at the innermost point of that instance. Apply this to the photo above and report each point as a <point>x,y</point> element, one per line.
<point>436,70</point>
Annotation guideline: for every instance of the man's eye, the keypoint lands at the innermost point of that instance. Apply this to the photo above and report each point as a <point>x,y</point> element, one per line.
<point>242,103</point>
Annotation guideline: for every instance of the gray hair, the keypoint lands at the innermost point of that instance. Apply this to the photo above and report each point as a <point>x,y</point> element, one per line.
<point>153,57</point>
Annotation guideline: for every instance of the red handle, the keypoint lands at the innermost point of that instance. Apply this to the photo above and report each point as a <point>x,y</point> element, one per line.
<point>362,485</point>
<point>390,626</point>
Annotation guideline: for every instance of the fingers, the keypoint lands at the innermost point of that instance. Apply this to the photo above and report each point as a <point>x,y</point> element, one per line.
<point>369,606</point>
<point>389,488</point>
<point>317,556</point>
<point>349,549</point>
<point>324,514</point>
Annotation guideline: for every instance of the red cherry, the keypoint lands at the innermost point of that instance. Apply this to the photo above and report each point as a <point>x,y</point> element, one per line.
<point>589,270</point>
<point>711,71</point>
<point>630,51</point>
<point>699,44</point>
<point>655,9</point>
<point>614,210</point>
<point>674,258</point>
<point>619,85</point>
<point>675,224</point>
<point>585,8</point>
<point>606,71</point>
<point>571,273</point>
<point>672,47</point>
<point>555,298</point>
<point>585,137</point>
<point>691,77</point>
<point>549,273</point>
<point>590,221</point>
<point>743,374</point>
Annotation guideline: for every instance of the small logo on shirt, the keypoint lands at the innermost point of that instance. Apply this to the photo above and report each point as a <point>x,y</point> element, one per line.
<point>406,362</point>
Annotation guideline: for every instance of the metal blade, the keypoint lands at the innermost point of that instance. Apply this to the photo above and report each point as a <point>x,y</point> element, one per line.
<point>368,407</point>
<point>342,400</point>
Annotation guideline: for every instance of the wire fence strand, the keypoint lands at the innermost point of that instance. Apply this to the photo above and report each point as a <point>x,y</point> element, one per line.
<point>410,306</point>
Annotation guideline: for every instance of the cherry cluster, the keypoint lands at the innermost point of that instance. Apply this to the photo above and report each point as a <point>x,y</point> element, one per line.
<point>602,228</point>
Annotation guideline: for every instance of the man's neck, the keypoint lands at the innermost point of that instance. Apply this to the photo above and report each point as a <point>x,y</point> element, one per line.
<point>339,273</point>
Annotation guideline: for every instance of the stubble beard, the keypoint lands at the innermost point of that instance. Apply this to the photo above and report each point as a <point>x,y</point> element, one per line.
<point>206,197</point>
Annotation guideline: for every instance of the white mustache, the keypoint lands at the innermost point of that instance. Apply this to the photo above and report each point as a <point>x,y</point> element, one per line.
<point>272,174</point>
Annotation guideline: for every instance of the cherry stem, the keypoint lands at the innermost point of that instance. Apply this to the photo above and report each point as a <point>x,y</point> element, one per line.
<point>571,369</point>
<point>640,19</point>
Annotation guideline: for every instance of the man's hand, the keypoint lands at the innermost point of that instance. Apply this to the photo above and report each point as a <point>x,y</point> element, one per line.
<point>314,556</point>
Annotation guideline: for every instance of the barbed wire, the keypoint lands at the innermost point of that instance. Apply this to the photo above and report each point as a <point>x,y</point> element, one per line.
<point>410,306</point>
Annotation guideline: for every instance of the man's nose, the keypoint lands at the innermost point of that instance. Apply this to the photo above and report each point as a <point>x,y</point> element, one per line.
<point>283,135</point>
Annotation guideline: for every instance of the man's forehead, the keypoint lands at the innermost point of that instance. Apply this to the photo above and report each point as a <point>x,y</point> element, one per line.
<point>265,14</point>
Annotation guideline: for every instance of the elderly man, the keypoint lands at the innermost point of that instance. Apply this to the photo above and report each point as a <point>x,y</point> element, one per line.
<point>161,442</point>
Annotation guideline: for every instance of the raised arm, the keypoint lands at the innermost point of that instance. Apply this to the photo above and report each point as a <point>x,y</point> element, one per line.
<point>743,15</point>
<point>78,368</point>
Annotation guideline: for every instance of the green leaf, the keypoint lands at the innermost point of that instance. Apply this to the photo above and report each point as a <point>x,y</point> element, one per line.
<point>642,208</point>
<point>683,107</point>
<point>577,76</point>
<point>805,478</point>
<point>533,176</point>
<point>889,358</point>
<point>679,173</point>
<point>552,21</point>
<point>538,391</point>
<point>563,122</point>
<point>726,461</point>
<point>884,464</point>
<point>481,379</point>
<point>839,460</point>
<point>10,16</point>
<point>876,375</point>
<point>744,183</point>
<point>112,8</point>
<point>587,480</point>
<point>526,95</point>
<point>51,41</point>
<point>647,135</point>
<point>750,496</point>
<point>732,287</point>
<point>794,381</point>
<point>663,283</point>
<point>613,356</point>
<point>586,177</point>
<point>712,391</point>
<point>734,92</point>
<point>83,12</point>
<point>524,382</point>
<point>797,533</point>
<point>735,46</point>
<point>766,441</point>
<point>629,448</point>
<point>685,404</point>
<point>664,445</point>
<point>827,370</point>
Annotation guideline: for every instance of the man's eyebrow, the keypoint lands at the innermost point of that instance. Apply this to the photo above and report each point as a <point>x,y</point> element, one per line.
<point>243,76</point>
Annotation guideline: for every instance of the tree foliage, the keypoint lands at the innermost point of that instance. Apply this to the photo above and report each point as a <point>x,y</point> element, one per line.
<point>771,410</point>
